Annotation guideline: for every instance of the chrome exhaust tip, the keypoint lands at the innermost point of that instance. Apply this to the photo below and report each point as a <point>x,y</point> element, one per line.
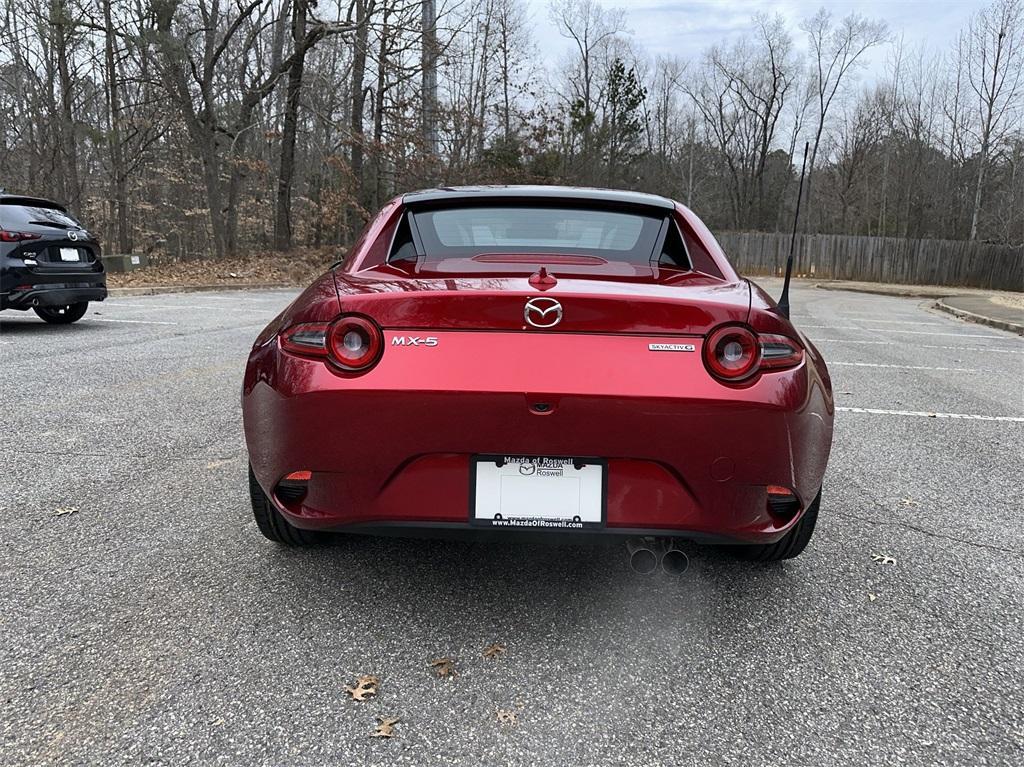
<point>674,561</point>
<point>643,559</point>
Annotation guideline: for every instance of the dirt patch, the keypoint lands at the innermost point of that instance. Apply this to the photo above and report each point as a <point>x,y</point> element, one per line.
<point>1014,302</point>
<point>296,268</point>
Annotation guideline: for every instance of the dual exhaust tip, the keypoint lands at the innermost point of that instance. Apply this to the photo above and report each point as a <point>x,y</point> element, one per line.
<point>647,554</point>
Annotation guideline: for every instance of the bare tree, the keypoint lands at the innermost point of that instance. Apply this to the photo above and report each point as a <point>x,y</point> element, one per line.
<point>835,53</point>
<point>995,60</point>
<point>429,84</point>
<point>198,127</point>
<point>591,29</point>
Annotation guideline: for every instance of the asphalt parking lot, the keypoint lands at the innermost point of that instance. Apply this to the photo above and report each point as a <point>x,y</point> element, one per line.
<point>153,625</point>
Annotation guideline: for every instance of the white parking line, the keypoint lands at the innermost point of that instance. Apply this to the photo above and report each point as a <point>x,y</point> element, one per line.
<point>134,322</point>
<point>924,414</point>
<point>897,330</point>
<point>895,322</point>
<point>188,306</point>
<point>920,346</point>
<point>902,367</point>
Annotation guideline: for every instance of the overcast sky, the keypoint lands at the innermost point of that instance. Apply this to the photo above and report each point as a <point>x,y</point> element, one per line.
<point>686,27</point>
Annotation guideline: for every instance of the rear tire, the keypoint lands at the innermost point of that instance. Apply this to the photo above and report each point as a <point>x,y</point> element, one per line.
<point>272,523</point>
<point>791,545</point>
<point>62,315</point>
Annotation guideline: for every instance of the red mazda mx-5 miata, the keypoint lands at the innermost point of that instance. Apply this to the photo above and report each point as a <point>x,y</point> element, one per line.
<point>496,360</point>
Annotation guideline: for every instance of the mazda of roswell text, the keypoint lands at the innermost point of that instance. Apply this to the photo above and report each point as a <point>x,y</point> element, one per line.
<point>549,362</point>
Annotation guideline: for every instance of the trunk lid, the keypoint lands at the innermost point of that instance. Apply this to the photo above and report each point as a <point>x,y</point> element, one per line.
<point>626,299</point>
<point>56,241</point>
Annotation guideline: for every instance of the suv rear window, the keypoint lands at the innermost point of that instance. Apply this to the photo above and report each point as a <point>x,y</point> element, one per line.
<point>13,215</point>
<point>508,229</point>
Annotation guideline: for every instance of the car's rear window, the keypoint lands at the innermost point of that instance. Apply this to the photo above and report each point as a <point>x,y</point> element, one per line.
<point>479,230</point>
<point>15,215</point>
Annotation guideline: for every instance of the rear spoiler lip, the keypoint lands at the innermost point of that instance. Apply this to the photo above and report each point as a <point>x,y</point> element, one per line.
<point>39,202</point>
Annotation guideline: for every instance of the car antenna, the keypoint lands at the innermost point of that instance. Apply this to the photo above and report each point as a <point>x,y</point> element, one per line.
<point>784,297</point>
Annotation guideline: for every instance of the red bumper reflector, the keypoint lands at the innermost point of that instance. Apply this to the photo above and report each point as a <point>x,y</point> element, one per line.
<point>777,490</point>
<point>298,476</point>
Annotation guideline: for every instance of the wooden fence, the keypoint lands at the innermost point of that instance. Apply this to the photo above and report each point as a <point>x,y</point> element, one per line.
<point>879,259</point>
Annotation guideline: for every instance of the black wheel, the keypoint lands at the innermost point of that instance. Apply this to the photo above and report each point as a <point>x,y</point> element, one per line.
<point>62,315</point>
<point>270,522</point>
<point>794,542</point>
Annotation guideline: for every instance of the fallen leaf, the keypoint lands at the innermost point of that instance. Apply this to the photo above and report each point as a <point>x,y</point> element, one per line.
<point>871,597</point>
<point>365,685</point>
<point>494,650</point>
<point>386,728</point>
<point>506,716</point>
<point>444,667</point>
<point>884,559</point>
<point>61,511</point>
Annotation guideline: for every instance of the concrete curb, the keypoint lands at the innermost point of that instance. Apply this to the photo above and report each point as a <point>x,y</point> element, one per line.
<point>900,292</point>
<point>981,319</point>
<point>158,289</point>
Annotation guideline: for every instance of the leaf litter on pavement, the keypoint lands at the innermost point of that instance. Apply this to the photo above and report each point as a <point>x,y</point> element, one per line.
<point>444,667</point>
<point>386,727</point>
<point>365,686</point>
<point>506,716</point>
<point>494,650</point>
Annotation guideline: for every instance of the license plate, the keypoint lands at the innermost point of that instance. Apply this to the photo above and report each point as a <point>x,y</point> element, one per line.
<point>524,492</point>
<point>69,254</point>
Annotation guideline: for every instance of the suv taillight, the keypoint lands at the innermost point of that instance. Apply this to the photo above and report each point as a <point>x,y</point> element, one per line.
<point>6,236</point>
<point>734,353</point>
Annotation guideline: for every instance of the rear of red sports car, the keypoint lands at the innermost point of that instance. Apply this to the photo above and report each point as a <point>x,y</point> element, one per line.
<point>563,361</point>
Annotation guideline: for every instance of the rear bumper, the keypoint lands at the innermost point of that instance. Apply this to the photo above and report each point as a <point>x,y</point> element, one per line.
<point>389,457</point>
<point>53,296</point>
<point>23,287</point>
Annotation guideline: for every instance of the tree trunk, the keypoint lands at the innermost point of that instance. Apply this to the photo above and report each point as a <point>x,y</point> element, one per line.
<point>378,112</point>
<point>69,144</point>
<point>429,78</point>
<point>364,8</point>
<point>982,158</point>
<point>117,169</point>
<point>286,174</point>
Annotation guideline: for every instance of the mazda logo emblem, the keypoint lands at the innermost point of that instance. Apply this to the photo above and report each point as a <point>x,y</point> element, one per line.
<point>526,469</point>
<point>73,236</point>
<point>542,312</point>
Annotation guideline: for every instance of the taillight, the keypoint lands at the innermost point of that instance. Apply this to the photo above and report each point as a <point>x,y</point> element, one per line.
<point>734,353</point>
<point>354,343</point>
<point>6,236</point>
<point>780,352</point>
<point>731,353</point>
<point>309,338</point>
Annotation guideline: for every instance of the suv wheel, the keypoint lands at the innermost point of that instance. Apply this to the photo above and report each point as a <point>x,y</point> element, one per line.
<point>272,523</point>
<point>62,315</point>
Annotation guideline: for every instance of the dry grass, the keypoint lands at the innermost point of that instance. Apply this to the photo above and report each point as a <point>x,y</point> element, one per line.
<point>1014,301</point>
<point>296,268</point>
